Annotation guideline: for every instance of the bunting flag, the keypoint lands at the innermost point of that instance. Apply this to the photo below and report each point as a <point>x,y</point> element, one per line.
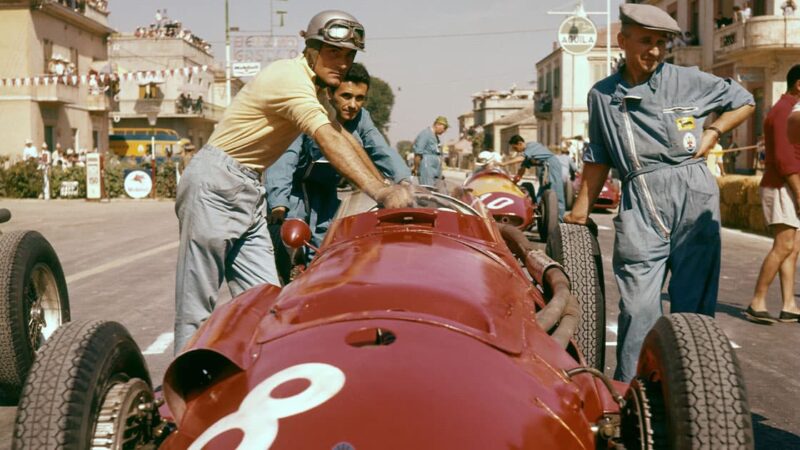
<point>75,80</point>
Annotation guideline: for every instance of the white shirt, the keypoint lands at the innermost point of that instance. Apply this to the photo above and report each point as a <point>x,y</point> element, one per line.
<point>30,152</point>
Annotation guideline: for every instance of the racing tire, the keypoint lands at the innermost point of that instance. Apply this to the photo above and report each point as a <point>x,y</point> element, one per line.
<point>87,374</point>
<point>576,249</point>
<point>689,392</point>
<point>569,195</point>
<point>547,222</point>
<point>33,304</point>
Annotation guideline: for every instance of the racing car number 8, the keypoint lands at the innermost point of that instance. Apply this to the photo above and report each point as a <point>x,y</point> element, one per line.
<point>259,412</point>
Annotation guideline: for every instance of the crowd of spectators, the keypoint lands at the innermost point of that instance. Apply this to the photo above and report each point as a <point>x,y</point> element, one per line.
<point>744,13</point>
<point>164,27</point>
<point>80,5</point>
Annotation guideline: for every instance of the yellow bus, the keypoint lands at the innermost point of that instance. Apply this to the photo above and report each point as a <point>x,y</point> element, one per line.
<point>135,142</point>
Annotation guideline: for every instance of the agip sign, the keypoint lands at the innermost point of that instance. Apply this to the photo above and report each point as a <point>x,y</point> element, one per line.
<point>577,35</point>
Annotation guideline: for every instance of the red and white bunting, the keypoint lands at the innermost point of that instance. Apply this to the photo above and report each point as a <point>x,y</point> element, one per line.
<point>139,76</point>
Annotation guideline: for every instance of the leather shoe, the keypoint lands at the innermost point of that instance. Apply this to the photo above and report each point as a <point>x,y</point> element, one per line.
<point>760,317</point>
<point>787,316</point>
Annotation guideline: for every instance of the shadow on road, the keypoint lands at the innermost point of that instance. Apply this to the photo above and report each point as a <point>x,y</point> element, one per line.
<point>769,437</point>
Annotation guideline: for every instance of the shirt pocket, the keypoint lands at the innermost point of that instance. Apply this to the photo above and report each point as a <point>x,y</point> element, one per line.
<point>683,128</point>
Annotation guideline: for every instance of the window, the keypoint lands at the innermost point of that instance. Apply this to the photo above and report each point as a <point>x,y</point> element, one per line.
<point>598,69</point>
<point>149,91</point>
<point>47,47</point>
<point>73,58</point>
<point>549,83</point>
<point>557,82</point>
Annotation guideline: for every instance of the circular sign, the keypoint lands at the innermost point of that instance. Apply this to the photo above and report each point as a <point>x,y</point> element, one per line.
<point>138,184</point>
<point>577,35</point>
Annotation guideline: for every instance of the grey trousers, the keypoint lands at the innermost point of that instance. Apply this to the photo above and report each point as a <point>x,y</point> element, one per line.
<point>223,236</point>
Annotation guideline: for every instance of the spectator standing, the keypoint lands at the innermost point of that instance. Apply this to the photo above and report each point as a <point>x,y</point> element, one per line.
<point>780,197</point>
<point>198,105</point>
<point>747,12</point>
<point>29,152</point>
<point>427,156</point>
<point>789,7</point>
<point>648,122</point>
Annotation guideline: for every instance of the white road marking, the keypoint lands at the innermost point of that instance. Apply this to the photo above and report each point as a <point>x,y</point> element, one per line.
<point>612,328</point>
<point>160,345</point>
<point>735,345</point>
<point>611,344</point>
<point>120,262</point>
<point>603,227</point>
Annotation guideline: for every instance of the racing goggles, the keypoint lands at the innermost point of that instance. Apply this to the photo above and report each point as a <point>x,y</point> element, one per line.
<point>339,30</point>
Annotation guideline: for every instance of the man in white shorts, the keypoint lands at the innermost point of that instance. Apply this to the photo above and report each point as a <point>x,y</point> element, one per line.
<point>780,197</point>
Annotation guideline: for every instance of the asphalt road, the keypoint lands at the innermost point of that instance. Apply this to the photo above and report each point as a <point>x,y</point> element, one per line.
<point>119,259</point>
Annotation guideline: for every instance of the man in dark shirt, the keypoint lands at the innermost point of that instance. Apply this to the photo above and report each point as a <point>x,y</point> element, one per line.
<point>780,196</point>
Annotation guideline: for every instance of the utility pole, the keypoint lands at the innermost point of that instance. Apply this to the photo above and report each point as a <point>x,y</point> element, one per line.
<point>227,57</point>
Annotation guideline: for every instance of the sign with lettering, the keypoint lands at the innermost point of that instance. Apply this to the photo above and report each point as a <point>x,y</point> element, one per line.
<point>138,184</point>
<point>246,69</point>
<point>68,189</point>
<point>577,35</point>
<point>262,48</point>
<point>93,174</point>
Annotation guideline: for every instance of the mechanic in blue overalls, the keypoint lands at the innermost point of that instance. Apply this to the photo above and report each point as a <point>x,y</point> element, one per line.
<point>427,156</point>
<point>302,184</point>
<point>647,121</point>
<point>532,153</point>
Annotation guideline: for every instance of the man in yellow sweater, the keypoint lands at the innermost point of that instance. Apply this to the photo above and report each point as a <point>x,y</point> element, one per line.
<point>220,200</point>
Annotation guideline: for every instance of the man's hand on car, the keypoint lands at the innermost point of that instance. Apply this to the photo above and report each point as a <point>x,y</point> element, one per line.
<point>277,215</point>
<point>395,196</point>
<point>517,178</point>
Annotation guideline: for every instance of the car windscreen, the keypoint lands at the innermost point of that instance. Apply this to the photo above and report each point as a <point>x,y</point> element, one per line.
<point>358,202</point>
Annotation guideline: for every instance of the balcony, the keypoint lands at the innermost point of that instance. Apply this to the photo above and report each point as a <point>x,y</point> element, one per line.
<point>167,108</point>
<point>542,105</point>
<point>98,103</point>
<point>758,34</point>
<point>56,93</point>
<point>686,56</point>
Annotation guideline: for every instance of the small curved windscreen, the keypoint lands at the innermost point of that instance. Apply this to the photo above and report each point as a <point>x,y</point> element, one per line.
<point>358,202</point>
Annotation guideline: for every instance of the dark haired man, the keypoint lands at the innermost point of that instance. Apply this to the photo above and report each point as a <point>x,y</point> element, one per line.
<point>302,184</point>
<point>220,201</point>
<point>647,121</point>
<point>780,197</point>
<point>534,153</point>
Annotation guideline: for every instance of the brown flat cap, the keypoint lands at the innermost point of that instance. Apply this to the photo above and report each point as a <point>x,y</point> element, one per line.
<point>648,16</point>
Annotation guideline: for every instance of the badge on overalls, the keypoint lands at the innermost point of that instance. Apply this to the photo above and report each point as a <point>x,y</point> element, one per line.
<point>685,123</point>
<point>689,142</point>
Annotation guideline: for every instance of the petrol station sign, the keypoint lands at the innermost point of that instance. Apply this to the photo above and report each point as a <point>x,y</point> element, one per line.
<point>577,35</point>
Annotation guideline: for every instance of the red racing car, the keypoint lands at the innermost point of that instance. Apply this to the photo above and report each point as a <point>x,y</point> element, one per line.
<point>511,204</point>
<point>609,195</point>
<point>426,327</point>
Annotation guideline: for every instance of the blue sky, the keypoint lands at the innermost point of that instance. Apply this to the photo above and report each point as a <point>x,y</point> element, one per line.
<point>430,76</point>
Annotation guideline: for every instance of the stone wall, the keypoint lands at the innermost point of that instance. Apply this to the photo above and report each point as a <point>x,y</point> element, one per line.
<point>740,203</point>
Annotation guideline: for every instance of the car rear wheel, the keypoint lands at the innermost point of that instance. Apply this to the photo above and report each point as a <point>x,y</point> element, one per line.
<point>577,250</point>
<point>688,392</point>
<point>88,388</point>
<point>547,220</point>
<point>33,304</point>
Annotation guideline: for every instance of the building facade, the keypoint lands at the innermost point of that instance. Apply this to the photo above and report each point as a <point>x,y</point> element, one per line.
<point>490,112</point>
<point>51,50</point>
<point>178,73</point>
<point>756,51</point>
<point>564,81</point>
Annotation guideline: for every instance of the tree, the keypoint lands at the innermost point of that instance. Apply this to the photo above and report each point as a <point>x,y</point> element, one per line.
<point>379,103</point>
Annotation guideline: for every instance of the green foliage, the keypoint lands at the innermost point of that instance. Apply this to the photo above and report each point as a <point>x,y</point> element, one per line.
<point>404,148</point>
<point>26,180</point>
<point>380,102</point>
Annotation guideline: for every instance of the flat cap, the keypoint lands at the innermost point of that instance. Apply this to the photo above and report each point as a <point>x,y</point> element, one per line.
<point>648,16</point>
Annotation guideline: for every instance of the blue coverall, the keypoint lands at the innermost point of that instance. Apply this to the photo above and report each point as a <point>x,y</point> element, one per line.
<point>535,151</point>
<point>430,167</point>
<point>304,182</point>
<point>669,212</point>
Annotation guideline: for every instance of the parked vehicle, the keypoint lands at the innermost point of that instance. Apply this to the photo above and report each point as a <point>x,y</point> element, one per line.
<point>33,304</point>
<point>609,196</point>
<point>137,142</point>
<point>425,327</point>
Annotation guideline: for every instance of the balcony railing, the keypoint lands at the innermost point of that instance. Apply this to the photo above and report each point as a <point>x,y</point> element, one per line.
<point>542,104</point>
<point>98,102</point>
<point>686,56</point>
<point>56,93</point>
<point>167,108</point>
<point>758,33</point>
